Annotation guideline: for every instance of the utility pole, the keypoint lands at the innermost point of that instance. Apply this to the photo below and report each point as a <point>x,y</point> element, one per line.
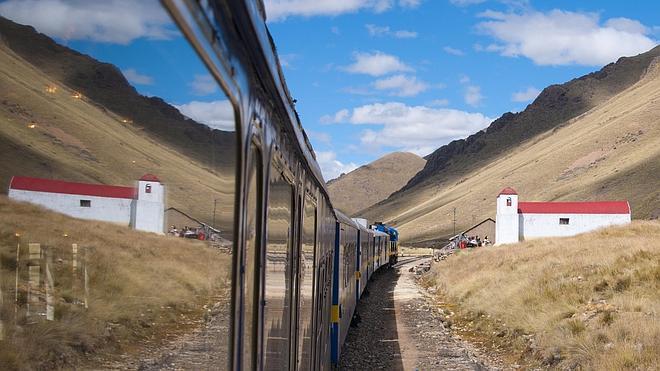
<point>215,202</point>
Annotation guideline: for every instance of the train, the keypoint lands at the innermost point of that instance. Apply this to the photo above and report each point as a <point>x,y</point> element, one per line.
<point>299,265</point>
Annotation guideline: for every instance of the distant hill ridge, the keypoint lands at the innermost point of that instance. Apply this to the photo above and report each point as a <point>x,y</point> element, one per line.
<point>373,182</point>
<point>555,105</point>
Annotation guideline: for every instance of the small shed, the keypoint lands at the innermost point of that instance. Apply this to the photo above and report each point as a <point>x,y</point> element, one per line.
<point>484,228</point>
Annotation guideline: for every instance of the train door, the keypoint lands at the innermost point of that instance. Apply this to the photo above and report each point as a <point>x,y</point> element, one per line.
<point>306,282</point>
<point>278,268</point>
<point>358,258</point>
<point>335,313</point>
<point>249,260</point>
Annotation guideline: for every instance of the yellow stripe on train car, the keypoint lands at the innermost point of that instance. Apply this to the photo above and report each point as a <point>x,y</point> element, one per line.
<point>358,275</point>
<point>334,314</point>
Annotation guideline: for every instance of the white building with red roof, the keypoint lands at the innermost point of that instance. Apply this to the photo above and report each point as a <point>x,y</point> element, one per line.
<point>518,221</point>
<point>140,207</point>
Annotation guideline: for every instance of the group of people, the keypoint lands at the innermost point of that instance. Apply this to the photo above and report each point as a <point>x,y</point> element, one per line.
<point>187,232</point>
<point>464,241</point>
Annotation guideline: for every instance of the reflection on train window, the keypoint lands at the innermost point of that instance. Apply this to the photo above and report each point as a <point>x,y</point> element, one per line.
<point>251,257</point>
<point>117,229</point>
<point>277,292</point>
<point>305,304</point>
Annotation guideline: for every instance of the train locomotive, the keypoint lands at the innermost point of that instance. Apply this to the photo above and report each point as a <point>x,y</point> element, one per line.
<point>299,266</point>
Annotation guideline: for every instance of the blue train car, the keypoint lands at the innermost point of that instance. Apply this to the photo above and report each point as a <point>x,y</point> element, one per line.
<point>344,289</point>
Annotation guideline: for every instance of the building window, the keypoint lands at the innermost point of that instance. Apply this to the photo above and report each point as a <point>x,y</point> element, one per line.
<point>563,221</point>
<point>508,201</point>
<point>148,188</point>
<point>85,203</point>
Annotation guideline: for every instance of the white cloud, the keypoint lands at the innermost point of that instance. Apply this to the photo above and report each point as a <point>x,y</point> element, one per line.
<point>526,95</point>
<point>404,34</point>
<point>473,95</point>
<point>466,2</point>
<point>409,3</point>
<point>203,85</point>
<point>218,114</point>
<point>339,116</point>
<point>319,136</point>
<point>377,30</point>
<point>627,25</point>
<point>562,37</point>
<point>134,77</point>
<point>417,129</point>
<point>401,85</point>
<point>331,167</point>
<point>453,51</point>
<point>286,60</point>
<point>439,103</point>
<point>376,64</point>
<point>109,21</point>
<point>278,10</point>
<point>386,31</point>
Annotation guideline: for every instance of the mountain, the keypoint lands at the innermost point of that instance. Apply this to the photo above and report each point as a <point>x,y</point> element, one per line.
<point>554,106</point>
<point>110,134</point>
<point>594,138</point>
<point>105,85</point>
<point>373,182</point>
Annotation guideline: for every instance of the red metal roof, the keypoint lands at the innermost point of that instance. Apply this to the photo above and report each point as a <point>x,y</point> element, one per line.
<point>150,178</point>
<point>508,191</point>
<point>598,207</point>
<point>59,186</point>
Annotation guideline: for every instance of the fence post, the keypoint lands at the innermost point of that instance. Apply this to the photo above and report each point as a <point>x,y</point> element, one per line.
<point>74,274</point>
<point>85,257</point>
<point>2,324</point>
<point>34,276</point>
<point>50,286</point>
<point>18,254</point>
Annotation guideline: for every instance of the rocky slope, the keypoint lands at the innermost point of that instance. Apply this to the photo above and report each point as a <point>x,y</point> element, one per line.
<point>373,182</point>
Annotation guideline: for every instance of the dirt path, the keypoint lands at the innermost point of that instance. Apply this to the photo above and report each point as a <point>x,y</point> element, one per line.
<point>205,348</point>
<point>400,330</point>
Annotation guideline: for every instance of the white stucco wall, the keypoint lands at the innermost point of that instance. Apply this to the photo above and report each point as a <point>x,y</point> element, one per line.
<point>150,208</point>
<point>547,225</point>
<point>506,220</point>
<point>116,210</point>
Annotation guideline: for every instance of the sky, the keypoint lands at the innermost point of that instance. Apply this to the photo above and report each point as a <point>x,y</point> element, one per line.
<point>371,76</point>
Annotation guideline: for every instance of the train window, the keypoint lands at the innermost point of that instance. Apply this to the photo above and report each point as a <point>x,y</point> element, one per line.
<point>251,256</point>
<point>305,305</point>
<point>277,310</point>
<point>118,172</point>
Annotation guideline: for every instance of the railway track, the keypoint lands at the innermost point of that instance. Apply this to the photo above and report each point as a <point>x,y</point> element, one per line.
<point>399,329</point>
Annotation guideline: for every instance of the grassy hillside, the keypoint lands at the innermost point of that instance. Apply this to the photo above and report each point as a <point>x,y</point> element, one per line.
<point>611,152</point>
<point>373,182</point>
<point>106,86</point>
<point>54,135</point>
<point>587,302</point>
<point>142,288</point>
<point>555,105</point>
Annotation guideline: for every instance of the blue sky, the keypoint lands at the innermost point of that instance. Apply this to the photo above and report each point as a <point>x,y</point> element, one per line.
<point>372,76</point>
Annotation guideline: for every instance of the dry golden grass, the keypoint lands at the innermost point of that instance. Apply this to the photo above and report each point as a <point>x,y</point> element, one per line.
<point>611,152</point>
<point>591,301</point>
<point>141,286</point>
